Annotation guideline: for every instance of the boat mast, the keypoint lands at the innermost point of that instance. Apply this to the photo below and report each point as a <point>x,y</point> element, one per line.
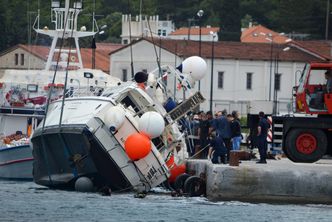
<point>64,17</point>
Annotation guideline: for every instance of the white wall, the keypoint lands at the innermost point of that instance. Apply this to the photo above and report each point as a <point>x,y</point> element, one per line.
<point>204,38</point>
<point>234,94</point>
<point>139,27</point>
<point>7,60</point>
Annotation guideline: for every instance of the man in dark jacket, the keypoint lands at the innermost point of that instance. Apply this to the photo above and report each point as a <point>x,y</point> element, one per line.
<point>236,130</point>
<point>203,133</point>
<point>218,150</point>
<point>223,129</point>
<point>263,127</point>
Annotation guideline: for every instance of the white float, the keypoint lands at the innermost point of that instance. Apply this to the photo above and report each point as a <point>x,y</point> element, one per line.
<point>151,124</point>
<point>114,118</point>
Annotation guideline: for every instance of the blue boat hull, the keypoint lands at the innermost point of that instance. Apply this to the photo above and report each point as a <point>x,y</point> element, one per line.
<point>16,163</point>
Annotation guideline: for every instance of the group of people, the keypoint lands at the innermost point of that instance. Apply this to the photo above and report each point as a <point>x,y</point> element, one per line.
<point>215,136</point>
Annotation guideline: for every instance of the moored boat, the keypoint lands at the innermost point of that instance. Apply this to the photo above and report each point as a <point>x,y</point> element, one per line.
<point>16,125</point>
<point>16,162</point>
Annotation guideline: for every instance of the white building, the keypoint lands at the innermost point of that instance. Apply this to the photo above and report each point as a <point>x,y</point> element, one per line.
<point>143,26</point>
<point>29,57</point>
<point>241,72</point>
<point>207,33</point>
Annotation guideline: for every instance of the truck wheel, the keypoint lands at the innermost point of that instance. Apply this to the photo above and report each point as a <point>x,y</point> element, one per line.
<point>305,145</point>
<point>194,186</point>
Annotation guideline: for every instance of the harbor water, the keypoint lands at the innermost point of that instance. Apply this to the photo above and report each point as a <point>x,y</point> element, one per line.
<point>26,201</point>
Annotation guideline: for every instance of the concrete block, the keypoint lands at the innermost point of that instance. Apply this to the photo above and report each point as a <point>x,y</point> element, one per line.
<point>277,181</point>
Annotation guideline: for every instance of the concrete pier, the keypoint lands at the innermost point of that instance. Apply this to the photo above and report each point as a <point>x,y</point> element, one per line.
<point>277,181</point>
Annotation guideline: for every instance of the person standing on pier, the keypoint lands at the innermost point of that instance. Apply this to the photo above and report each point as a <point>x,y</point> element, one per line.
<point>236,130</point>
<point>263,127</point>
<point>223,129</point>
<point>203,132</point>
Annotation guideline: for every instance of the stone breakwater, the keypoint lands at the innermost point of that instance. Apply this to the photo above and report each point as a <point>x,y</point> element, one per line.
<point>279,181</point>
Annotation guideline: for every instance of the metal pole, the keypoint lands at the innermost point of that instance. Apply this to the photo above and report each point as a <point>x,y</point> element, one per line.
<point>274,88</point>
<point>189,24</point>
<point>211,87</point>
<point>93,46</point>
<point>327,19</point>
<point>175,61</point>
<point>271,63</point>
<point>199,51</point>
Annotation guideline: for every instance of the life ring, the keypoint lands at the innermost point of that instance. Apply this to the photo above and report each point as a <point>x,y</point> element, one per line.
<point>15,97</point>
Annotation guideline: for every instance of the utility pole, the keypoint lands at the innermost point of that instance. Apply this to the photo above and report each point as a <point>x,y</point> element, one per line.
<point>327,19</point>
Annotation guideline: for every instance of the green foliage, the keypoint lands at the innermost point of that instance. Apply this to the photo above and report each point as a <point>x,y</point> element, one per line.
<point>299,16</point>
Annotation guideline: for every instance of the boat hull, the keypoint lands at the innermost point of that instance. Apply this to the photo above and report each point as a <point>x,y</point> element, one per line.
<point>62,157</point>
<point>63,154</point>
<point>16,163</point>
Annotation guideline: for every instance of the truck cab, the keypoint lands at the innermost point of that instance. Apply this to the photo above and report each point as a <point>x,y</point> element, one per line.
<point>312,96</point>
<point>306,136</point>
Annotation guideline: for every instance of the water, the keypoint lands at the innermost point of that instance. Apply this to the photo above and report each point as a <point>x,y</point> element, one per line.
<point>26,201</point>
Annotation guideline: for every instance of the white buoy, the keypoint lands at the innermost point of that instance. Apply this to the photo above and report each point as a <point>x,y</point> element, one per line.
<point>151,124</point>
<point>83,184</point>
<point>114,118</point>
<point>194,66</point>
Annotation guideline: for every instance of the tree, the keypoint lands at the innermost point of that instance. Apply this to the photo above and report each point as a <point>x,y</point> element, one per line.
<point>230,21</point>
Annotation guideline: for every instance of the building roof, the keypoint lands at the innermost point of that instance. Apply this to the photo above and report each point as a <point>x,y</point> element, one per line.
<point>261,34</point>
<point>236,50</point>
<point>101,56</point>
<point>323,47</point>
<point>195,31</point>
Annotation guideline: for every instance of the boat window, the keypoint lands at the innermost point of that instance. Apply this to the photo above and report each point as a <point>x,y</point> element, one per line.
<point>158,142</point>
<point>127,102</point>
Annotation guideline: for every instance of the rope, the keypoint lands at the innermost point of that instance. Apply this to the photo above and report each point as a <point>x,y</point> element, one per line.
<point>193,156</point>
<point>56,69</point>
<point>155,49</point>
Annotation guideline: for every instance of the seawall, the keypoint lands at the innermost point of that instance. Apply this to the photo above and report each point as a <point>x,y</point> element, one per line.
<point>279,181</point>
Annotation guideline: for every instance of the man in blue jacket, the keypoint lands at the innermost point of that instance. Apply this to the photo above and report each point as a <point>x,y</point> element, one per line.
<point>223,129</point>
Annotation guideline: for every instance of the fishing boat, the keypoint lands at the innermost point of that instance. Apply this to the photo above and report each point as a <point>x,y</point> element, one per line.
<point>121,138</point>
<point>16,124</point>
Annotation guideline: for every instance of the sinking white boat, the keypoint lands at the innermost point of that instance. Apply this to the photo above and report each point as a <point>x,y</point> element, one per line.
<point>121,138</point>
<point>87,136</point>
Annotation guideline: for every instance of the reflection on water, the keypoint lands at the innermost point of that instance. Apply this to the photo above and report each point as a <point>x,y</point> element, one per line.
<point>26,201</point>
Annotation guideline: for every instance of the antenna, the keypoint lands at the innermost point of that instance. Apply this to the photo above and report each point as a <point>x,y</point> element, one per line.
<point>130,46</point>
<point>155,49</point>
<point>64,20</point>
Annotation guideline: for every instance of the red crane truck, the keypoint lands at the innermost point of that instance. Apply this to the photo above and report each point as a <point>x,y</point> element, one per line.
<point>307,135</point>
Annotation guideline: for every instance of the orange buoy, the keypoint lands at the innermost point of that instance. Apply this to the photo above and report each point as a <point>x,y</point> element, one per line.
<point>175,170</point>
<point>137,146</point>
